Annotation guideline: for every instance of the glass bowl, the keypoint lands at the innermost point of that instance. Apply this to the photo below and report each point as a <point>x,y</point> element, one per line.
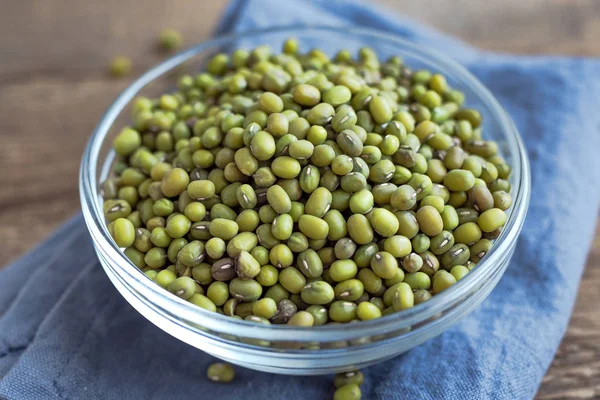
<point>285,349</point>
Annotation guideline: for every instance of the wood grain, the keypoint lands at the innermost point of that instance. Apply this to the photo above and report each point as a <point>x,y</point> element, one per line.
<point>54,88</point>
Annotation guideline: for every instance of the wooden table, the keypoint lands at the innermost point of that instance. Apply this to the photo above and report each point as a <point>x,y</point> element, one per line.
<point>54,88</point>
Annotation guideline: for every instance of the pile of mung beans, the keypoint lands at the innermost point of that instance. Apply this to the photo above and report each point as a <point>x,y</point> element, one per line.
<point>300,189</point>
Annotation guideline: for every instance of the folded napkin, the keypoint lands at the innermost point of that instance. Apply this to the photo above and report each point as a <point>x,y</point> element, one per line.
<point>66,333</point>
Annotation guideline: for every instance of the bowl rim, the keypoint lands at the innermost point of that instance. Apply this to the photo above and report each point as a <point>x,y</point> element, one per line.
<point>169,303</point>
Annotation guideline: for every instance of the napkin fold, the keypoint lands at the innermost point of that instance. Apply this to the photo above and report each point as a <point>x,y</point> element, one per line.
<point>66,333</point>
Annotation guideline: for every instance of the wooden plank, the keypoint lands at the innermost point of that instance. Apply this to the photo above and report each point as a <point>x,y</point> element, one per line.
<point>517,26</point>
<point>54,88</point>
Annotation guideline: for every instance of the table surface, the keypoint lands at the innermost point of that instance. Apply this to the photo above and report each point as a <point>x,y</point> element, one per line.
<point>54,88</point>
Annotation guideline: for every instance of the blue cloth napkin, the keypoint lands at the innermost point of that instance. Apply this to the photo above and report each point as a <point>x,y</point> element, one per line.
<point>65,332</point>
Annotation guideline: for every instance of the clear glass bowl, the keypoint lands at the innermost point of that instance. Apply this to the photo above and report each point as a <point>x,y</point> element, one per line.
<point>285,349</point>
